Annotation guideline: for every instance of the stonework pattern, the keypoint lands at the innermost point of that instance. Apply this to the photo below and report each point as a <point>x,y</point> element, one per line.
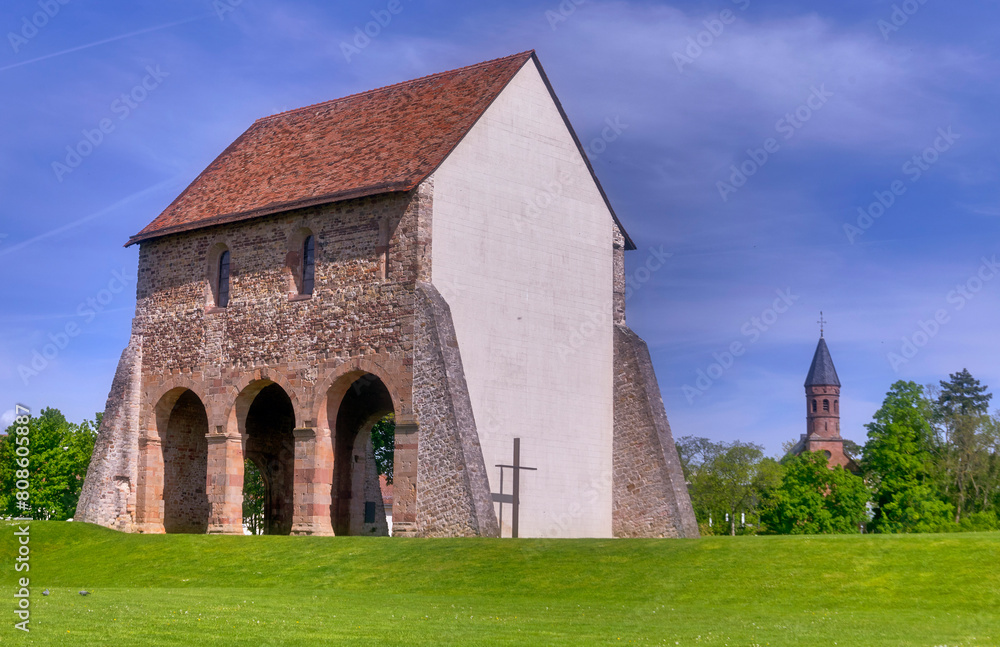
<point>451,474</point>
<point>108,497</point>
<point>650,494</point>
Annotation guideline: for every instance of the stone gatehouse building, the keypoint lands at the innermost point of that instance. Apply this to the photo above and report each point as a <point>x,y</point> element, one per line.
<point>440,250</point>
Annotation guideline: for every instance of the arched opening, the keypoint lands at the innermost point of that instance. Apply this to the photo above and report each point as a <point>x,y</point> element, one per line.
<point>358,506</point>
<point>308,264</point>
<point>814,406</point>
<point>300,263</point>
<point>270,447</point>
<point>219,272</point>
<point>223,280</point>
<point>826,406</point>
<point>185,466</point>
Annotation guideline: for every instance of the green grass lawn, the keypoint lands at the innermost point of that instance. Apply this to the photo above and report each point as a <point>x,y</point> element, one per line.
<point>198,590</point>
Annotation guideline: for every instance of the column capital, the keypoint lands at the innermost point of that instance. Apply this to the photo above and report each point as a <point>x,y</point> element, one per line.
<point>216,438</point>
<point>147,439</point>
<point>404,419</point>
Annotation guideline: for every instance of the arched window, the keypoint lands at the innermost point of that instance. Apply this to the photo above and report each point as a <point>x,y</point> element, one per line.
<point>836,406</point>
<point>814,406</point>
<point>223,280</point>
<point>826,406</point>
<point>308,265</point>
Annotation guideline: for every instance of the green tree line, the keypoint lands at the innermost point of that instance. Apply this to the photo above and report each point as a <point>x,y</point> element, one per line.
<point>931,463</point>
<point>54,465</point>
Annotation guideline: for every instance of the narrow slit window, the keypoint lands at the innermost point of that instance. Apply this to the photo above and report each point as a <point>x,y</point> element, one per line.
<point>308,265</point>
<point>224,280</point>
<point>826,405</point>
<point>814,406</point>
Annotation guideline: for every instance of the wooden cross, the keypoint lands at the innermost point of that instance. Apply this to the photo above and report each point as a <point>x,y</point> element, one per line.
<point>515,498</point>
<point>822,322</point>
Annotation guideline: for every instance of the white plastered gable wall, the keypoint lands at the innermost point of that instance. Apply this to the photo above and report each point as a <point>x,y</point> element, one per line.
<point>521,283</point>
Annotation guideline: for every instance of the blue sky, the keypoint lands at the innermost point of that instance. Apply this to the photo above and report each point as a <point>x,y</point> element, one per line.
<point>839,102</point>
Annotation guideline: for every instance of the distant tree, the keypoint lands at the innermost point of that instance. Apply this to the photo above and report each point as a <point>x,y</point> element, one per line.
<point>990,490</point>
<point>58,457</point>
<point>693,451</point>
<point>254,497</point>
<point>898,464</point>
<point>384,444</point>
<point>731,479</point>
<point>813,499</point>
<point>852,449</point>
<point>965,460</point>
<point>962,394</point>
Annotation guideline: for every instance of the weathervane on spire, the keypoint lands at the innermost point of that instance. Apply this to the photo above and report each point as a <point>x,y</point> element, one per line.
<point>822,322</point>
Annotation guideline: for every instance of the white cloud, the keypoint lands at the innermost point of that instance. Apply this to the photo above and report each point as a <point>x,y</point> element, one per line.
<point>7,419</point>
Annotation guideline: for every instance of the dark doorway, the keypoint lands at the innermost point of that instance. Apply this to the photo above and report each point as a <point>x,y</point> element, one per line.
<point>185,467</point>
<point>271,448</point>
<point>358,507</point>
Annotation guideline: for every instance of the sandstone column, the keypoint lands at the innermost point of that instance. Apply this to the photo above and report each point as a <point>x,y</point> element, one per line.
<point>313,493</point>
<point>149,501</point>
<point>225,483</point>
<point>404,479</point>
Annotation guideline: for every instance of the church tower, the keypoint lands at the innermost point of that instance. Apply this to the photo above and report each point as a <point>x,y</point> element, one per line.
<point>823,410</point>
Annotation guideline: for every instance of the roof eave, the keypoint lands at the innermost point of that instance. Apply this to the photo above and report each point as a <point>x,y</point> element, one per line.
<point>366,192</point>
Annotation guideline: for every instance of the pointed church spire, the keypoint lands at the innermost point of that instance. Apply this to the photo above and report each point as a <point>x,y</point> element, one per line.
<point>822,372</point>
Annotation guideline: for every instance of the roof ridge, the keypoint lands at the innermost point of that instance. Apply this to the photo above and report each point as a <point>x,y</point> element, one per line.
<point>396,85</point>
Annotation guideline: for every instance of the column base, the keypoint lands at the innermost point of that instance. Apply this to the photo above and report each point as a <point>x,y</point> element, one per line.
<point>150,529</point>
<point>312,530</point>
<point>405,529</point>
<point>225,529</point>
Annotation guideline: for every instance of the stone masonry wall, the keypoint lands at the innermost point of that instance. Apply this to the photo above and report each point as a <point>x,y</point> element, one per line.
<point>353,310</point>
<point>454,497</point>
<point>650,495</point>
<point>359,318</point>
<point>108,495</point>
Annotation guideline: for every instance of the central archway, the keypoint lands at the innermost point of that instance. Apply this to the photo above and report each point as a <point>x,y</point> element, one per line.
<point>270,446</point>
<point>357,507</point>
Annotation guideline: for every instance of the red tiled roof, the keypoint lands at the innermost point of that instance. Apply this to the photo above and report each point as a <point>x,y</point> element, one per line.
<point>380,141</point>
